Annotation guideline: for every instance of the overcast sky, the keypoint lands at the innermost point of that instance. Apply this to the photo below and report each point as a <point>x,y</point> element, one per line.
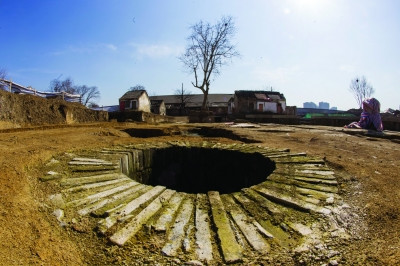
<point>309,50</point>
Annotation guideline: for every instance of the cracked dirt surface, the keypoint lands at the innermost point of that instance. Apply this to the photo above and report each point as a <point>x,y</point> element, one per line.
<point>367,168</point>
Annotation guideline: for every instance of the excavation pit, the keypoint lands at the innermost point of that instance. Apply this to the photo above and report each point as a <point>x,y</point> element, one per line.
<point>209,132</point>
<point>229,202</point>
<point>198,170</point>
<point>146,132</point>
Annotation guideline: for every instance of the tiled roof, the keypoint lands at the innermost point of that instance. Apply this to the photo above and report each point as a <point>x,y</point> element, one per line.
<point>155,103</point>
<point>132,94</point>
<point>262,95</point>
<point>196,99</point>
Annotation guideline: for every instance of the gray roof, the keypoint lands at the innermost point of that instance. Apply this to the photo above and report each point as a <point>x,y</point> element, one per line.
<point>196,100</point>
<point>156,103</point>
<point>132,94</point>
<point>259,94</point>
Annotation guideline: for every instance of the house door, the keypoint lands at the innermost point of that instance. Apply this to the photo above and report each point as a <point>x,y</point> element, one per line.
<point>134,105</point>
<point>260,107</point>
<point>251,107</point>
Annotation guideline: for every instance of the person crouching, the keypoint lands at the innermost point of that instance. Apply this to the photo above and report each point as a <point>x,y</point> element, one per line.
<point>370,116</point>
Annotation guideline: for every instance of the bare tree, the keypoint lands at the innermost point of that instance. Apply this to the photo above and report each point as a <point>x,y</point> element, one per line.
<point>137,87</point>
<point>66,85</point>
<point>184,96</point>
<point>93,105</point>
<point>208,50</point>
<point>361,89</point>
<point>3,75</point>
<point>88,94</point>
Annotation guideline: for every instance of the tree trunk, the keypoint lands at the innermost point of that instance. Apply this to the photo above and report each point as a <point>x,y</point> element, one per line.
<point>204,106</point>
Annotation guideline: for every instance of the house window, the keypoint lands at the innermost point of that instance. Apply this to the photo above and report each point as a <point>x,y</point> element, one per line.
<point>131,104</point>
<point>127,104</point>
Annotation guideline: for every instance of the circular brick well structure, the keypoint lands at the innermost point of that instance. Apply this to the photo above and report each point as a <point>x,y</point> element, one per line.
<point>199,170</point>
<point>210,202</point>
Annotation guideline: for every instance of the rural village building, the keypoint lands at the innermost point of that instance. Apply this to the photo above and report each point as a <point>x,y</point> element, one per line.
<point>258,102</point>
<point>241,102</point>
<point>137,100</point>
<point>216,103</point>
<point>158,107</point>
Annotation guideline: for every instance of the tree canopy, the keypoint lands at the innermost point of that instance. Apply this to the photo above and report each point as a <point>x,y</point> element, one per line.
<point>66,85</point>
<point>88,94</point>
<point>208,50</point>
<point>137,87</point>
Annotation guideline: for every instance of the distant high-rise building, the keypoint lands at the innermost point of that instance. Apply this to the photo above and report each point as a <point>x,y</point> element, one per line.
<point>323,105</point>
<point>309,105</point>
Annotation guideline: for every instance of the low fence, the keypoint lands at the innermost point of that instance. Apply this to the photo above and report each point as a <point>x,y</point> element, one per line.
<point>10,86</point>
<point>389,122</point>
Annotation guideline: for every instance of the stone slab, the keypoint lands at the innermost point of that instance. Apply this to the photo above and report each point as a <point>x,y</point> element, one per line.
<point>287,155</point>
<point>108,203</point>
<point>177,232</point>
<point>301,228</point>
<point>291,201</point>
<point>94,185</point>
<point>232,251</point>
<point>129,230</point>
<point>246,226</point>
<point>89,163</point>
<point>77,181</point>
<point>127,209</point>
<point>298,160</point>
<point>302,184</point>
<point>136,203</point>
<point>262,230</point>
<point>265,203</point>
<point>168,213</point>
<point>203,234</point>
<point>120,200</point>
<point>98,196</point>
<point>82,159</point>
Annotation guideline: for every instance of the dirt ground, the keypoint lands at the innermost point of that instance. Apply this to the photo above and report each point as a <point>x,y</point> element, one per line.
<point>368,171</point>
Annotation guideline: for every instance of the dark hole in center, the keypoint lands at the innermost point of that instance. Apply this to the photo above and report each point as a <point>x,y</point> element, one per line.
<point>211,132</point>
<point>199,170</point>
<point>145,132</point>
